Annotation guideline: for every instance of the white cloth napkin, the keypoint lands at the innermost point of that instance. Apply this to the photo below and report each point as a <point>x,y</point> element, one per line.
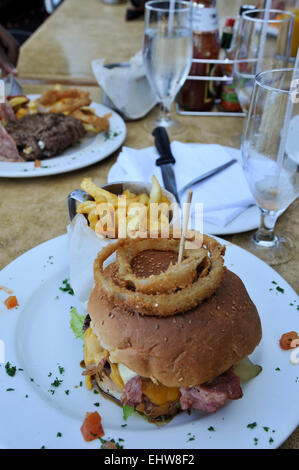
<point>126,87</point>
<point>224,196</point>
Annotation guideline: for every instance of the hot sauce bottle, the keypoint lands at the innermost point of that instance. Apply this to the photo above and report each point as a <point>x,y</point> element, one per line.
<point>229,99</point>
<point>199,95</point>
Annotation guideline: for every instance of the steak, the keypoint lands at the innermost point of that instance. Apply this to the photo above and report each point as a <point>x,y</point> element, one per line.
<point>39,135</point>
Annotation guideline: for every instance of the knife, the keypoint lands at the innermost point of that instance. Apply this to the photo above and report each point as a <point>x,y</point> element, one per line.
<point>166,160</point>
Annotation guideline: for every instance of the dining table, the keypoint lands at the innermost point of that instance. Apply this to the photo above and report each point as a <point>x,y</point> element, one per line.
<point>34,210</point>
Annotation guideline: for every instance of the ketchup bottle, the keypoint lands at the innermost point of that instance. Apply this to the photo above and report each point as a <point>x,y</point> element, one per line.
<point>199,95</point>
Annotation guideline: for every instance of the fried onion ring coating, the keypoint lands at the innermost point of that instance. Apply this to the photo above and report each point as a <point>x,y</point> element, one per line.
<point>175,277</point>
<point>162,304</point>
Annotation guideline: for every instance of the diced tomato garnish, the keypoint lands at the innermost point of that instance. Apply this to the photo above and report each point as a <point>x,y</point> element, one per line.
<point>11,302</point>
<point>92,427</point>
<point>37,163</point>
<point>286,340</point>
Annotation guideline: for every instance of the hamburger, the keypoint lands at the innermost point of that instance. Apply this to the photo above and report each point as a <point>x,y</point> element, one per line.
<point>168,358</point>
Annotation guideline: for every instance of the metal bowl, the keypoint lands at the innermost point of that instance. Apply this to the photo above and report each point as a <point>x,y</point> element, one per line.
<point>116,188</point>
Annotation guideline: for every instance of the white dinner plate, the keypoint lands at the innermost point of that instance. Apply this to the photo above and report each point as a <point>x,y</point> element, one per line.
<point>91,149</point>
<point>38,339</point>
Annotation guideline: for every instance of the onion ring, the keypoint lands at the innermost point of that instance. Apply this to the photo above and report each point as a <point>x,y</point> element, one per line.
<point>175,277</point>
<point>162,304</point>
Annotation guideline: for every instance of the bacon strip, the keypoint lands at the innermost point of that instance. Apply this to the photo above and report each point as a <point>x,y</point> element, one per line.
<point>92,369</point>
<point>133,392</point>
<point>8,148</point>
<point>210,396</point>
<point>7,112</point>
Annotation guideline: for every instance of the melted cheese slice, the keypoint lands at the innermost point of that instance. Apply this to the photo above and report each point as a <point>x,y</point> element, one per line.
<point>160,394</point>
<point>93,352</point>
<point>120,374</point>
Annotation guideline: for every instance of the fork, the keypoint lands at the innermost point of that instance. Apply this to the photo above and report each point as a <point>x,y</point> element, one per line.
<point>15,87</point>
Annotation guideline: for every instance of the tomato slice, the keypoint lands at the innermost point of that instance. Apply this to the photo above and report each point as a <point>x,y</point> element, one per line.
<point>92,428</point>
<point>11,302</point>
<point>286,339</point>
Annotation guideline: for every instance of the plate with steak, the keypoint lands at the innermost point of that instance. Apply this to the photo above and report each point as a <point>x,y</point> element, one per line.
<point>48,143</point>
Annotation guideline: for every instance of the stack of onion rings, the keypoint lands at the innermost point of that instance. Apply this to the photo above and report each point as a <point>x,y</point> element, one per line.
<point>176,276</point>
<point>167,293</point>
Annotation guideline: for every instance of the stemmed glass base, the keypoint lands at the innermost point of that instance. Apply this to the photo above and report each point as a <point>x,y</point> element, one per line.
<point>267,245</point>
<point>160,116</point>
<point>277,251</point>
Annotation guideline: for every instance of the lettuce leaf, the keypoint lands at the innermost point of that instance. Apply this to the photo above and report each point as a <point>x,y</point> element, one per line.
<point>77,322</point>
<point>127,411</point>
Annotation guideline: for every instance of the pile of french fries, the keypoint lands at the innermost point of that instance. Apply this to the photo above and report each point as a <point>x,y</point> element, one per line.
<point>71,102</point>
<point>136,219</point>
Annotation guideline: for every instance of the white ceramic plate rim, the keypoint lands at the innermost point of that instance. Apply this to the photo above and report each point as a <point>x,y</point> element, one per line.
<point>76,157</point>
<point>271,399</point>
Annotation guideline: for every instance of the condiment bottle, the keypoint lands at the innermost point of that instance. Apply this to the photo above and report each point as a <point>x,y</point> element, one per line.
<point>229,101</point>
<point>199,95</point>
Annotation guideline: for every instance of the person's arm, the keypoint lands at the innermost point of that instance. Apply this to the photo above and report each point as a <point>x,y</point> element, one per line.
<point>9,52</point>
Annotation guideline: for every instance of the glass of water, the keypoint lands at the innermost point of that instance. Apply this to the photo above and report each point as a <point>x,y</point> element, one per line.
<point>167,54</point>
<point>263,43</point>
<point>270,156</point>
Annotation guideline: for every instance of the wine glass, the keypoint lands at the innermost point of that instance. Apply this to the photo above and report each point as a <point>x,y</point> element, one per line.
<point>263,43</point>
<point>167,54</point>
<point>271,158</point>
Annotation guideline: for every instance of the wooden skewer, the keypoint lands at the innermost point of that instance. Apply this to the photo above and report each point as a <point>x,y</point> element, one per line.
<point>186,216</point>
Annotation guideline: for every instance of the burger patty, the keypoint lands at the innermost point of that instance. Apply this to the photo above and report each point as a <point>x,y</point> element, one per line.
<point>39,136</point>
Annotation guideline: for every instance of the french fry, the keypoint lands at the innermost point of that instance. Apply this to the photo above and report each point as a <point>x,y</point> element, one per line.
<point>85,207</point>
<point>156,191</point>
<point>93,190</point>
<point>92,218</point>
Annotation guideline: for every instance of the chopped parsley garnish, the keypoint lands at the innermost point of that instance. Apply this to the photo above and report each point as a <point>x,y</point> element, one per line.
<point>124,425</point>
<point>271,440</point>
<point>95,391</point>
<point>252,425</point>
<point>50,374</point>
<point>26,396</point>
<point>265,428</point>
<point>10,370</point>
<point>191,438</point>
<point>31,379</point>
<point>81,383</point>
<point>96,404</point>
<point>255,441</point>
<point>277,368</point>
<point>127,411</point>
<point>67,392</point>
<point>66,287</point>
<point>279,289</point>
<point>10,389</point>
<point>117,444</point>
<point>59,434</point>
<point>211,428</point>
<point>274,282</point>
<point>56,382</point>
<point>61,370</point>
<point>51,391</point>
